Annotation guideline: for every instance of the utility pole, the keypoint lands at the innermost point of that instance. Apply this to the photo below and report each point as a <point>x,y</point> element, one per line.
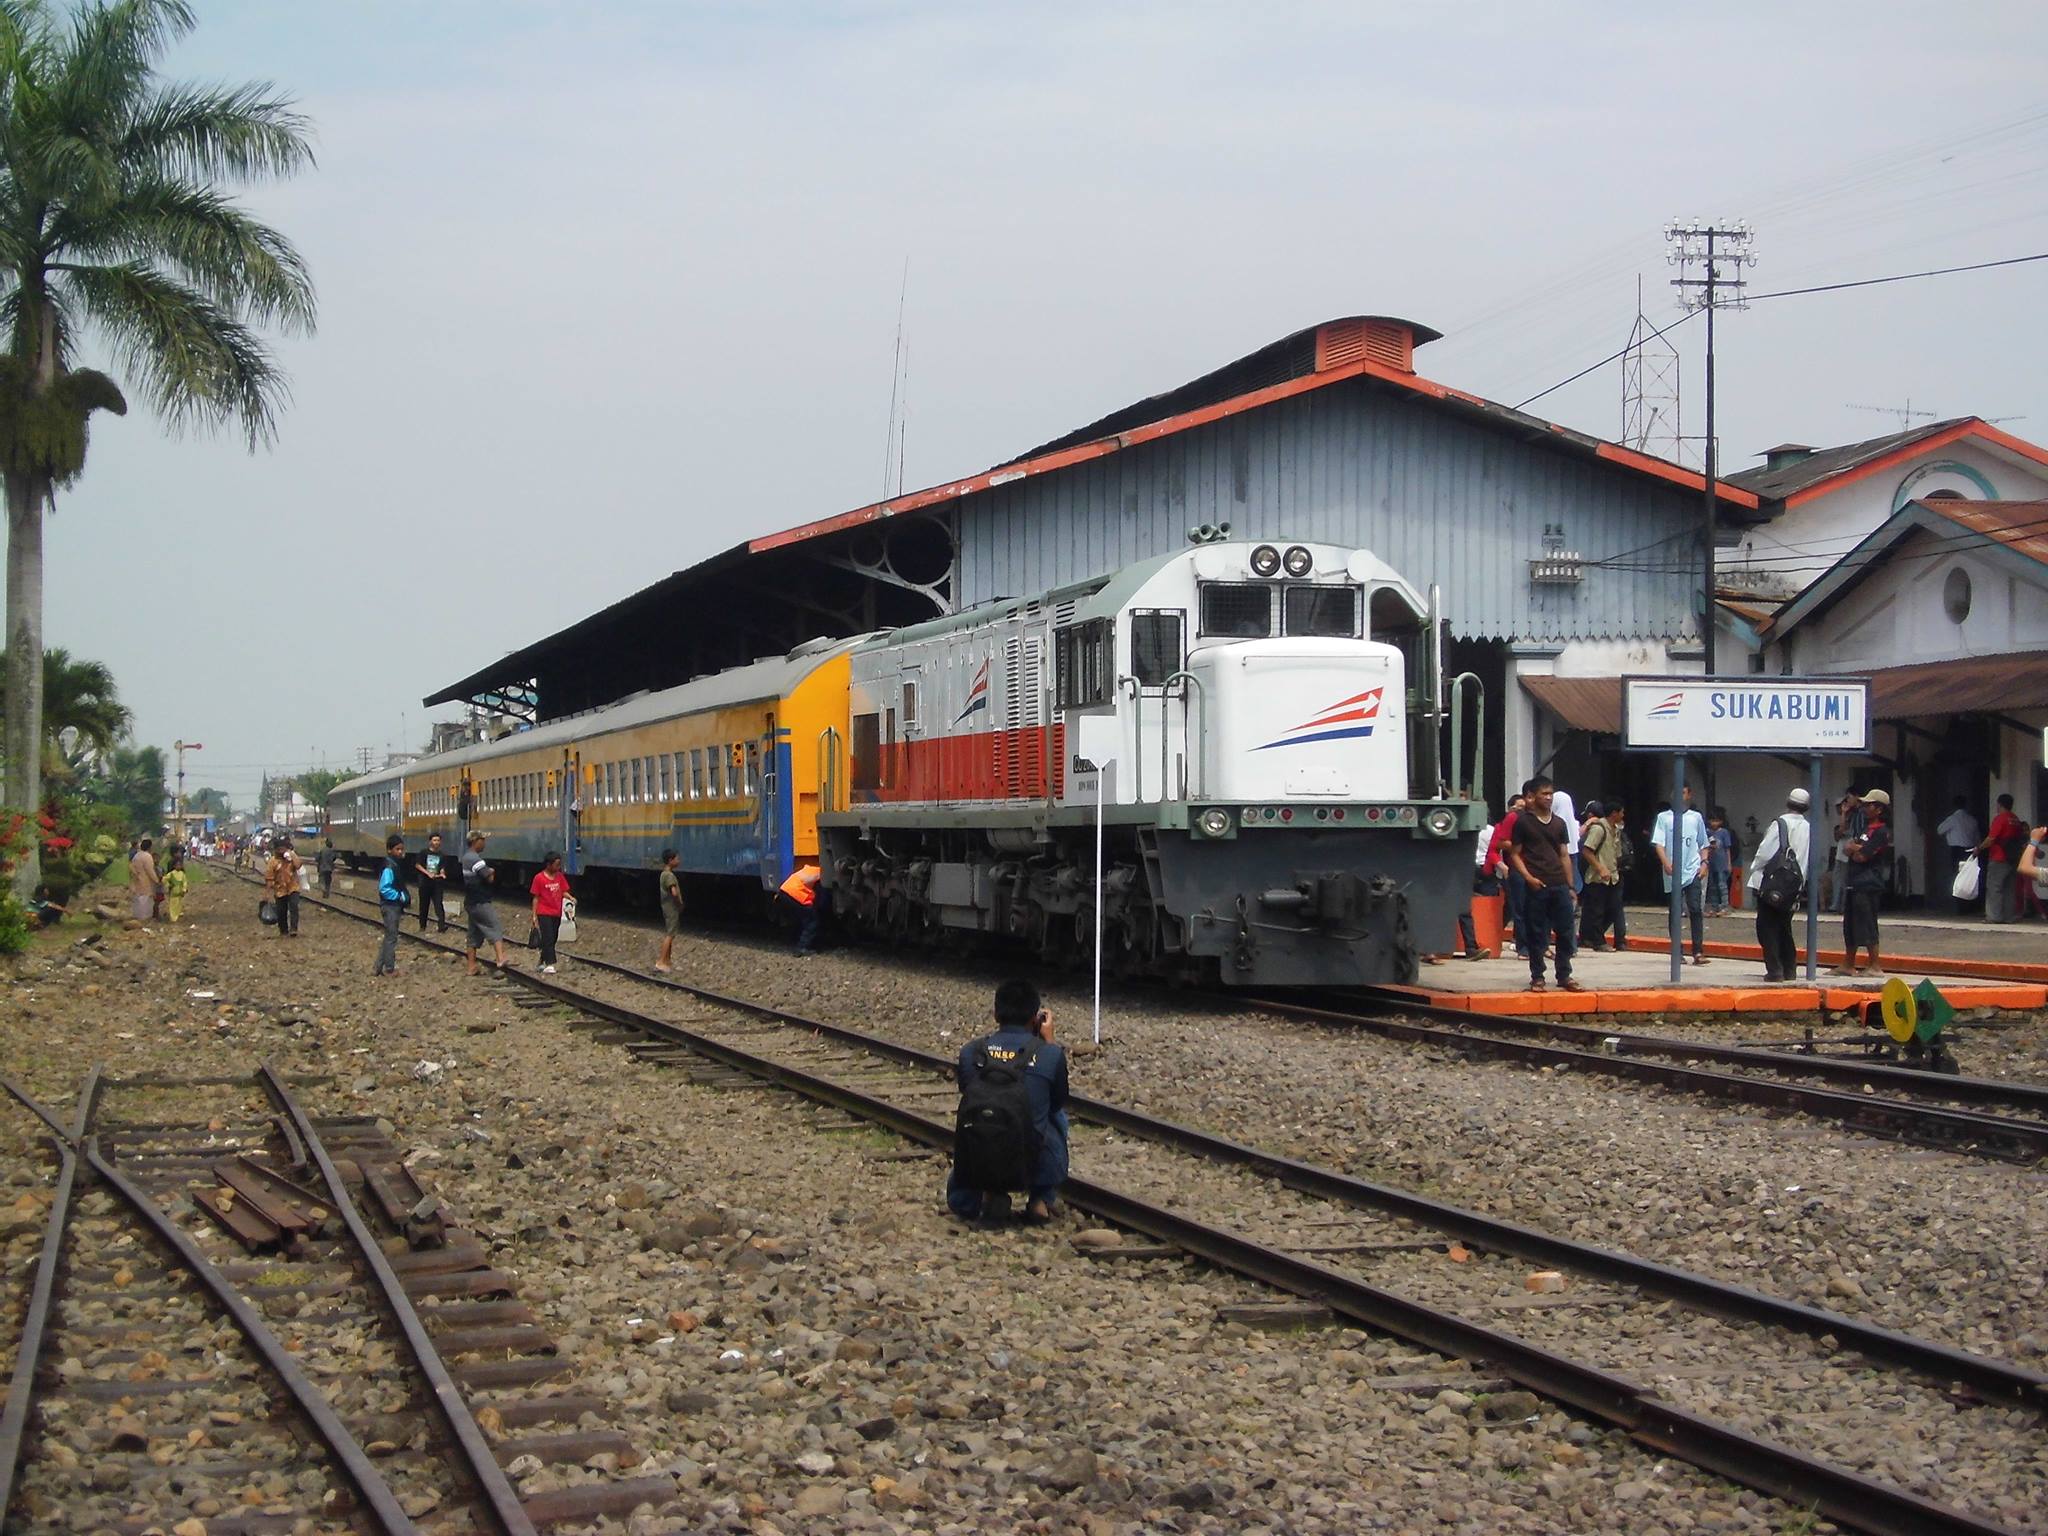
<point>1718,253</point>
<point>181,748</point>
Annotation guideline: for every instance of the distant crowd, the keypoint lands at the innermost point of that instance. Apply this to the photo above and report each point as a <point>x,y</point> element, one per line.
<point>1560,873</point>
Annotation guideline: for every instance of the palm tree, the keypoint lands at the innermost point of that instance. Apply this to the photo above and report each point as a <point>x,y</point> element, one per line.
<point>82,709</point>
<point>113,226</point>
<point>79,701</point>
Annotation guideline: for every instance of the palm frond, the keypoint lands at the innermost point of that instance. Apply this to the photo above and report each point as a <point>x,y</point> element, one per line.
<point>198,363</point>
<point>235,133</point>
<point>237,261</point>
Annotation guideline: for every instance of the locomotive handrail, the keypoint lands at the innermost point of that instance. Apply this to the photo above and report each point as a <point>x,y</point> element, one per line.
<point>828,770</point>
<point>1475,788</point>
<point>1185,677</point>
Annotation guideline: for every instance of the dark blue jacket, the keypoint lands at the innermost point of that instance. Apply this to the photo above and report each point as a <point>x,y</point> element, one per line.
<point>1046,1084</point>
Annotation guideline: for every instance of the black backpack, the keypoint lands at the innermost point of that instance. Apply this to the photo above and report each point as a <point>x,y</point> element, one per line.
<point>1781,884</point>
<point>995,1142</point>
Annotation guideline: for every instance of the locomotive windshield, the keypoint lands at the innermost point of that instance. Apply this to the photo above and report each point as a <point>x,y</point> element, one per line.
<point>1330,611</point>
<point>1237,610</point>
<point>1246,610</point>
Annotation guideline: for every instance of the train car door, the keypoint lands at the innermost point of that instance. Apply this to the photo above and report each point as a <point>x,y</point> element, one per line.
<point>569,810</point>
<point>771,811</point>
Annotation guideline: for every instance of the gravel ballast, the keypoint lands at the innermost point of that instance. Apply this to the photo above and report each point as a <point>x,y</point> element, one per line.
<point>785,1319</point>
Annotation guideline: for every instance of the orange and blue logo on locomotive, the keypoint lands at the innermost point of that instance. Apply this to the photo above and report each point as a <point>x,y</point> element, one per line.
<point>1350,717</point>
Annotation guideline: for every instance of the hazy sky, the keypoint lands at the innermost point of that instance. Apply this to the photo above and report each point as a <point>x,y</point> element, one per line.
<point>607,287</point>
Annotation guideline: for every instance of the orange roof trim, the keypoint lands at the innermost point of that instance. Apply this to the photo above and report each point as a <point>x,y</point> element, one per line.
<point>1062,458</point>
<point>1983,431</point>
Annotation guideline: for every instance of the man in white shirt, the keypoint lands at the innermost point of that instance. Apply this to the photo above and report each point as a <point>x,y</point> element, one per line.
<point>1774,923</point>
<point>1692,843</point>
<point>1960,835</point>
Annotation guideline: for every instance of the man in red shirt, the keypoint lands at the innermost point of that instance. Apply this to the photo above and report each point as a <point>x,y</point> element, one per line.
<point>1498,866</point>
<point>2001,848</point>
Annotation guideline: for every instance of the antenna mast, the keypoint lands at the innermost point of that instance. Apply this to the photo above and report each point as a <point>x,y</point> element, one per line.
<point>899,401</point>
<point>1650,417</point>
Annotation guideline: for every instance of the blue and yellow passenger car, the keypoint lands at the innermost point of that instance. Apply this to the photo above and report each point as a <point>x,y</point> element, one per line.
<point>727,770</point>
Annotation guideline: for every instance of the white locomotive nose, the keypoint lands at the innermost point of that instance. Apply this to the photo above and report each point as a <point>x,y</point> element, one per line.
<point>1303,719</point>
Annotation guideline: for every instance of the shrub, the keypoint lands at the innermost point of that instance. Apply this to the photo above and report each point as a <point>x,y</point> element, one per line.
<point>13,926</point>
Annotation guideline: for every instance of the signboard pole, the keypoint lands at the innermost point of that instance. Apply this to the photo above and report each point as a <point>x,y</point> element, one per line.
<point>1813,847</point>
<point>1678,864</point>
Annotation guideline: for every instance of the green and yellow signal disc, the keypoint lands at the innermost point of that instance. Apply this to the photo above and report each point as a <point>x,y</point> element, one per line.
<point>1900,1011</point>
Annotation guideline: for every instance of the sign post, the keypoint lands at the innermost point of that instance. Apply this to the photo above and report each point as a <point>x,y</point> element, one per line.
<point>1787,717</point>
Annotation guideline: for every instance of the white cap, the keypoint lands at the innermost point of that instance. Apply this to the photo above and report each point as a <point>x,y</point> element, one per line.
<point>1798,800</point>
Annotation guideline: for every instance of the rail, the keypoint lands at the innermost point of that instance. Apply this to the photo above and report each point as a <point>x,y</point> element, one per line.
<point>1474,787</point>
<point>478,1461</point>
<point>1834,1491</point>
<point>1192,741</point>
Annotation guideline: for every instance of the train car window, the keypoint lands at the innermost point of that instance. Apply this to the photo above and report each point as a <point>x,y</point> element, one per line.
<point>1329,611</point>
<point>661,774</point>
<point>1155,646</point>
<point>1237,610</point>
<point>753,767</point>
<point>1083,663</point>
<point>639,783</point>
<point>682,770</point>
<point>909,704</point>
<point>605,795</point>
<point>697,773</point>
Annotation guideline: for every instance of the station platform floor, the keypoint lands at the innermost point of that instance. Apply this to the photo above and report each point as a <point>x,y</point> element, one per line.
<point>1976,965</point>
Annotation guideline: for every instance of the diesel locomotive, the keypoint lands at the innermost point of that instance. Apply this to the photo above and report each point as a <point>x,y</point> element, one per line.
<point>1245,740</point>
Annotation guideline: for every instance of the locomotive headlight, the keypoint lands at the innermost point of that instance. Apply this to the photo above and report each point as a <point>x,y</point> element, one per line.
<point>1298,561</point>
<point>1214,822</point>
<point>1440,822</point>
<point>1265,561</point>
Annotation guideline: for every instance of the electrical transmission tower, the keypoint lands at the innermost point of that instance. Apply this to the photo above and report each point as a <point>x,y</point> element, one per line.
<point>1649,390</point>
<point>1710,259</point>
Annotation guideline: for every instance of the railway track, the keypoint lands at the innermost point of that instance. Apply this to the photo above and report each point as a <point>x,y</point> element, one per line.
<point>216,1338</point>
<point>1452,1280</point>
<point>1929,1109</point>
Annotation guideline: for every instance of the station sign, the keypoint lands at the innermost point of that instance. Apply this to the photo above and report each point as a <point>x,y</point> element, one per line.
<point>1803,716</point>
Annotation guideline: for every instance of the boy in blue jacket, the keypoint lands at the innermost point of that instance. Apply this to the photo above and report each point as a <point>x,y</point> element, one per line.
<point>390,903</point>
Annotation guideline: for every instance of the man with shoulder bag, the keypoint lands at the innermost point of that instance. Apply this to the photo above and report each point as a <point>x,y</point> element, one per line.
<point>1777,877</point>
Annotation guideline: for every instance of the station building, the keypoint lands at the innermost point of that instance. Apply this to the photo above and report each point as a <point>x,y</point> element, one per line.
<point>1527,530</point>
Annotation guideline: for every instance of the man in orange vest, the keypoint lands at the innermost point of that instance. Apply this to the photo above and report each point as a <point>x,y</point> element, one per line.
<point>802,888</point>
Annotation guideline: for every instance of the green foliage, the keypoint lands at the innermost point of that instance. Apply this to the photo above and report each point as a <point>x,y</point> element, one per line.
<point>209,802</point>
<point>133,785</point>
<point>88,838</point>
<point>316,784</point>
<point>14,929</point>
<point>43,431</point>
<point>112,218</point>
<point>79,697</point>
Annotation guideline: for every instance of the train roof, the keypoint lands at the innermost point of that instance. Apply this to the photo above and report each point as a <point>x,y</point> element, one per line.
<point>772,677</point>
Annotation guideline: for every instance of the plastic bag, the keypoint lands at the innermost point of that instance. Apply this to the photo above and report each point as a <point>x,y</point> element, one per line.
<point>1969,882</point>
<point>266,911</point>
<point>305,880</point>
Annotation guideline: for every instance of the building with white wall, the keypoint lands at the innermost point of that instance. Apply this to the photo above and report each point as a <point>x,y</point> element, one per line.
<point>1944,607</point>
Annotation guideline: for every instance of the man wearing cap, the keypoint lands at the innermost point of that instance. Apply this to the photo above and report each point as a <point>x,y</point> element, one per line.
<point>1774,924</point>
<point>1869,876</point>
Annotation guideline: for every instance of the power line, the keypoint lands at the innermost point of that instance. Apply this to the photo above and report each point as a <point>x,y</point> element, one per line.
<point>1961,541</point>
<point>1789,293</point>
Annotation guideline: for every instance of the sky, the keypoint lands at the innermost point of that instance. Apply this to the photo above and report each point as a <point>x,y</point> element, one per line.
<point>607,287</point>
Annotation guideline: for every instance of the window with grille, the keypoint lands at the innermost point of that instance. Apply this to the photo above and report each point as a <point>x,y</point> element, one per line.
<point>909,704</point>
<point>1155,646</point>
<point>1330,611</point>
<point>1237,610</point>
<point>1084,662</point>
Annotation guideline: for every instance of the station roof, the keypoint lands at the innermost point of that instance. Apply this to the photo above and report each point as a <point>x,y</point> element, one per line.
<point>1786,479</point>
<point>827,576</point>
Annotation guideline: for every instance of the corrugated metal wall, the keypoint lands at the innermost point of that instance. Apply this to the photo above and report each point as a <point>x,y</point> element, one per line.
<point>1438,497</point>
